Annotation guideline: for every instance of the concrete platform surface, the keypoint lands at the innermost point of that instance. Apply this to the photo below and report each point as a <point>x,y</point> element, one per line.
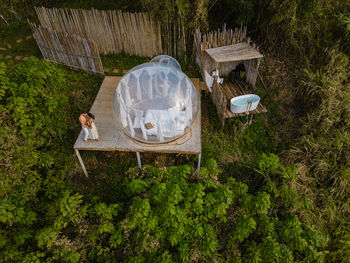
<point>112,138</point>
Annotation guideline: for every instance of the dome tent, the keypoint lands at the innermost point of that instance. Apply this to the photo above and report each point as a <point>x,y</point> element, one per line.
<point>167,60</point>
<point>155,102</point>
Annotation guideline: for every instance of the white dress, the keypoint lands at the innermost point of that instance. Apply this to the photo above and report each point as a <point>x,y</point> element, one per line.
<point>93,133</point>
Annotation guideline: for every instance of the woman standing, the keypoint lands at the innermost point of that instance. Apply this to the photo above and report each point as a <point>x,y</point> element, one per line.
<point>93,133</point>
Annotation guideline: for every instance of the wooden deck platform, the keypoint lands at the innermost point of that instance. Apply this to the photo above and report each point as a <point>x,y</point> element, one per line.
<point>222,94</point>
<point>235,89</point>
<point>112,138</point>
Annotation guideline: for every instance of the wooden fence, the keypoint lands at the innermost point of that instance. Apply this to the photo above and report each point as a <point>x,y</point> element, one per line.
<point>175,38</point>
<point>70,50</point>
<point>113,31</point>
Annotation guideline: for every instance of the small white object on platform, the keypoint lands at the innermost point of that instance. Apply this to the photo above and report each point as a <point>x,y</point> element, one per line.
<point>244,103</point>
<point>208,80</point>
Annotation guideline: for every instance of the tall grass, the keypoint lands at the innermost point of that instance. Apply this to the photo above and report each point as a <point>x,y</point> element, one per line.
<point>324,147</point>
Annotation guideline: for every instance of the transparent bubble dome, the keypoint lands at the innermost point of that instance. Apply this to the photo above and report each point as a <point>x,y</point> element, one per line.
<point>167,60</point>
<point>155,102</point>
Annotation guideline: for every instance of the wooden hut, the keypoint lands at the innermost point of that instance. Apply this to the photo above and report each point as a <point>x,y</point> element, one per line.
<point>224,51</point>
<point>227,58</point>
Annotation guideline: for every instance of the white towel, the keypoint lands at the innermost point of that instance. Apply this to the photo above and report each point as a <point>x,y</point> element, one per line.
<point>208,80</point>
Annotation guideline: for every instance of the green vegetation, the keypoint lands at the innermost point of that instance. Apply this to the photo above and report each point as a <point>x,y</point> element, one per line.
<point>16,31</point>
<point>273,191</point>
<point>122,62</point>
<point>153,215</point>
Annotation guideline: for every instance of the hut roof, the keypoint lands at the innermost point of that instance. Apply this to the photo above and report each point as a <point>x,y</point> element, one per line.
<point>236,52</point>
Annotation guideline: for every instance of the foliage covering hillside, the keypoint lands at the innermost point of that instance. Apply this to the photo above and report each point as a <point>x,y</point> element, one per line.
<point>157,214</point>
<point>275,191</point>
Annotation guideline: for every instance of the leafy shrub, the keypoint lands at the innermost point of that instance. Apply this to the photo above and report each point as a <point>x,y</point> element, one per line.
<point>35,124</point>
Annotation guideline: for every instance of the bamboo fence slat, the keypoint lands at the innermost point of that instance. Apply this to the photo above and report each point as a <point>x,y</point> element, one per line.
<point>70,50</point>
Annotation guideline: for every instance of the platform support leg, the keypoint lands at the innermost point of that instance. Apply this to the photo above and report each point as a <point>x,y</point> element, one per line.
<point>250,119</point>
<point>138,159</point>
<point>199,165</point>
<point>81,162</point>
<point>222,122</point>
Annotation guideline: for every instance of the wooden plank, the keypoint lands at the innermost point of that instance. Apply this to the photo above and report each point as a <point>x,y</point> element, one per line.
<point>130,35</point>
<point>150,50</point>
<point>135,34</point>
<point>117,33</point>
<point>125,46</point>
<point>237,52</point>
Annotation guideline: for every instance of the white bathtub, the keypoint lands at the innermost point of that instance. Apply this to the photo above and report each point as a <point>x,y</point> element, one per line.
<point>240,104</point>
